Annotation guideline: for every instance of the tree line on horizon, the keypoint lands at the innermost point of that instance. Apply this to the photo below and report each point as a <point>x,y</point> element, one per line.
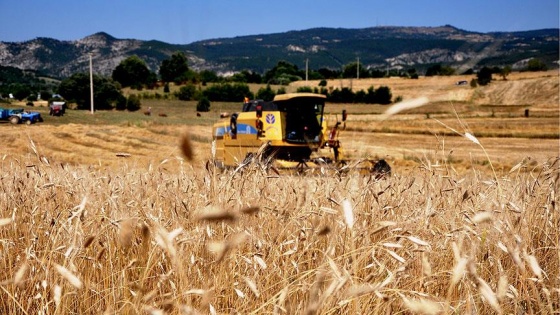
<point>133,72</point>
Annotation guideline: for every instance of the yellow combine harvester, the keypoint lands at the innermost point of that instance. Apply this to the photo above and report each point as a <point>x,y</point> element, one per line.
<point>291,132</point>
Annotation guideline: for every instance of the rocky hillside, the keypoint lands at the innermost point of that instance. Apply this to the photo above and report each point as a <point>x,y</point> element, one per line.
<point>376,47</point>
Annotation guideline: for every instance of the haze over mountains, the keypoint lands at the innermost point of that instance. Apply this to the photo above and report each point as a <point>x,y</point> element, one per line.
<point>375,47</point>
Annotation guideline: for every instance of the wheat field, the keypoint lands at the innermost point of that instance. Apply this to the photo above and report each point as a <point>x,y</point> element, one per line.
<point>175,238</point>
<point>119,213</point>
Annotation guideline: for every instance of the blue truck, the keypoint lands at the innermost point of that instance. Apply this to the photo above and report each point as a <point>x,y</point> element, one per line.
<point>16,116</point>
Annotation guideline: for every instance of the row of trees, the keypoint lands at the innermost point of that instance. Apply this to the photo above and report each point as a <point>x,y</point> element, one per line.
<point>236,91</point>
<point>133,72</point>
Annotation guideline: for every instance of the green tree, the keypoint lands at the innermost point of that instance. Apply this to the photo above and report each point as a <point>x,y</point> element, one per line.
<point>187,92</point>
<point>21,91</point>
<point>370,97</point>
<point>120,103</point>
<point>360,96</point>
<point>536,65</point>
<point>283,73</point>
<point>304,89</point>
<point>484,76</point>
<point>175,69</point>
<point>412,73</point>
<point>438,69</point>
<point>383,95</point>
<point>351,71</point>
<point>45,95</point>
<point>227,92</point>
<point>247,76</point>
<point>77,89</point>
<point>328,73</point>
<point>344,95</point>
<point>133,103</point>
<point>505,72</point>
<point>266,94</point>
<point>208,76</point>
<point>203,105</point>
<point>132,71</point>
<point>239,77</point>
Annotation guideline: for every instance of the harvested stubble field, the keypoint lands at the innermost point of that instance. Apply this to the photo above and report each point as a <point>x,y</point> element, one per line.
<point>105,214</point>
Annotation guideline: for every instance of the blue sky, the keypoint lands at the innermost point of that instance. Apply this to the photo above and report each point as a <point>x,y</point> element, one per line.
<point>186,21</point>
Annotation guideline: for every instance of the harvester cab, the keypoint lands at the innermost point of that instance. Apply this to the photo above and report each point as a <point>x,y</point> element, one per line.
<point>290,126</point>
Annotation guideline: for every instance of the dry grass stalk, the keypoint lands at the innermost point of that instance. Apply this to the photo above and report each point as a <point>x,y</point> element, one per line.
<point>57,294</point>
<point>252,286</point>
<point>166,240</point>
<point>472,138</point>
<point>481,217</point>
<point>145,233</point>
<point>456,252</point>
<point>324,230</point>
<point>489,295</point>
<point>19,277</point>
<point>214,214</point>
<point>359,290</point>
<point>100,254</point>
<point>534,265</point>
<point>126,232</point>
<point>223,248</point>
<point>88,241</point>
<point>417,241</point>
<point>396,256</point>
<point>348,213</point>
<point>5,221</point>
<point>426,267</point>
<point>422,306</point>
<point>69,276</point>
<point>392,245</point>
<point>405,105</point>
<point>187,147</point>
<point>250,210</point>
<point>258,259</point>
<point>502,288</point>
<point>459,270</point>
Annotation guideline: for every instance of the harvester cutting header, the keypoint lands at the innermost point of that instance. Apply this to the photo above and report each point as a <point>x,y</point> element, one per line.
<point>290,132</point>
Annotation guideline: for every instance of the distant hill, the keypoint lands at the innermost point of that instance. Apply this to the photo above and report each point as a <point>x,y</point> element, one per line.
<point>376,47</point>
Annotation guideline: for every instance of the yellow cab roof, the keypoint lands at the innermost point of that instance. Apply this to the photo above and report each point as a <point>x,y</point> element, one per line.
<point>289,96</point>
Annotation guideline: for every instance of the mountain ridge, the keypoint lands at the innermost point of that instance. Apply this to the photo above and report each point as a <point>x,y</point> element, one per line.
<point>376,47</point>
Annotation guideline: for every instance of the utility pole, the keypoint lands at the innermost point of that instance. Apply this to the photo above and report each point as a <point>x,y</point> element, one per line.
<point>306,68</point>
<point>358,69</point>
<point>91,81</point>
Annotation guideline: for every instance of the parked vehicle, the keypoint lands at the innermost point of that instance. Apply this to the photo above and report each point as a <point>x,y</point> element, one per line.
<point>57,108</point>
<point>16,116</point>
